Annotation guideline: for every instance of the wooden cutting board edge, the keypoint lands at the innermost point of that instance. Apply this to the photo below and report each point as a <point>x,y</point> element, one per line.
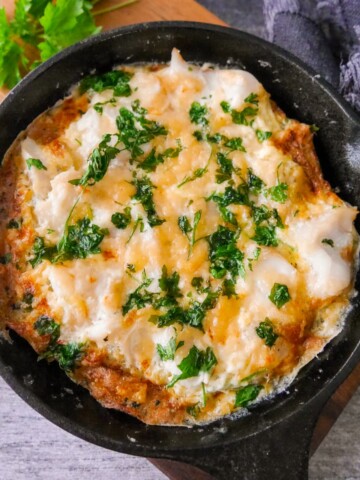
<point>189,10</point>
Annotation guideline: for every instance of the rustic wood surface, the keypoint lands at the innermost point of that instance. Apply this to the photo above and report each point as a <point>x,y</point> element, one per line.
<point>25,445</point>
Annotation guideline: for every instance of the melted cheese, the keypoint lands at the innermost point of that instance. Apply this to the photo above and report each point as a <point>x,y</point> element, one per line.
<point>86,295</point>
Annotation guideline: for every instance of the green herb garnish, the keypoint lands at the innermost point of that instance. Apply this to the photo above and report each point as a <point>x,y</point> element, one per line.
<point>35,162</point>
<point>247,394</point>
<point>279,295</point>
<point>135,129</point>
<point>328,241</point>
<point>65,354</point>
<point>225,258</point>
<point>198,114</point>
<point>154,159</point>
<point>262,135</point>
<point>266,331</point>
<point>266,235</point>
<point>186,228</point>
<point>252,98</point>
<point>99,106</point>
<point>117,81</point>
<point>121,220</point>
<point>195,362</point>
<point>98,163</point>
<point>167,352</point>
<point>140,297</point>
<point>144,194</point>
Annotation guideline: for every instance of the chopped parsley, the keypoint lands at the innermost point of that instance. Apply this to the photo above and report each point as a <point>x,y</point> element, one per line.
<point>226,168</point>
<point>255,257</point>
<point>65,354</point>
<point>279,193</point>
<point>154,159</point>
<point>328,241</point>
<point>247,394</point>
<point>198,114</point>
<point>198,173</point>
<point>266,235</point>
<point>117,81</point>
<point>144,194</point>
<point>121,220</point>
<point>252,98</point>
<point>135,129</point>
<point>225,258</point>
<point>254,182</point>
<point>78,241</point>
<point>195,362</point>
<point>279,295</point>
<point>167,352</point>
<point>99,106</point>
<point>228,288</point>
<point>139,223</point>
<point>186,228</point>
<point>140,297</point>
<point>98,163</point>
<point>245,116</point>
<point>35,162</point>
<point>226,107</point>
<point>262,135</point>
<point>266,331</point>
<point>169,284</point>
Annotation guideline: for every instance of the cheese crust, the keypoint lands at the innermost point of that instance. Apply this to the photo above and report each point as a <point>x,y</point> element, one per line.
<point>148,309</point>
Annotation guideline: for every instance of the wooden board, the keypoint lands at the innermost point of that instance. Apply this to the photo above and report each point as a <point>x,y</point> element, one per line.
<point>155,10</point>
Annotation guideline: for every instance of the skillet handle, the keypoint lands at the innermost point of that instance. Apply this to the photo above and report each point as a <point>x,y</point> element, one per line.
<point>278,453</point>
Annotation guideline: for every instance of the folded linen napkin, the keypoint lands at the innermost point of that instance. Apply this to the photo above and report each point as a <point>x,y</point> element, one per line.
<point>325,34</point>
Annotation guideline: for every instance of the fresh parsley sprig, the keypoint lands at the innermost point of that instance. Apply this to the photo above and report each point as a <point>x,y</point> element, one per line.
<point>39,30</point>
<point>187,229</point>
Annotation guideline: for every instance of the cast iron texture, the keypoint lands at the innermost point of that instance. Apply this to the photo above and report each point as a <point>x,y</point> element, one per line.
<point>273,440</point>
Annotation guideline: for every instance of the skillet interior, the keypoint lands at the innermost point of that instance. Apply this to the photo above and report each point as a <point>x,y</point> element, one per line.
<point>301,95</point>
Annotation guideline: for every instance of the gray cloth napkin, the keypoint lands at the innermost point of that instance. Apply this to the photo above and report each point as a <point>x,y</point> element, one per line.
<point>325,34</point>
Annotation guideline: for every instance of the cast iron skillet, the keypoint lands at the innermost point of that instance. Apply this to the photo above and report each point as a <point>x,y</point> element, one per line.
<point>273,440</point>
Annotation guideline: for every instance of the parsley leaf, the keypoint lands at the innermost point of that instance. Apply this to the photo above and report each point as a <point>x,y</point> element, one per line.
<point>198,114</point>
<point>154,159</point>
<point>99,106</point>
<point>64,23</point>
<point>35,162</point>
<point>228,288</point>
<point>255,257</point>
<point>12,56</point>
<point>133,137</point>
<point>265,235</point>
<point>144,193</point>
<point>186,228</point>
<point>169,284</point>
<point>262,135</point>
<point>226,107</point>
<point>98,163</point>
<point>140,297</point>
<point>167,352</point>
<point>252,98</point>
<point>328,241</point>
<point>65,354</point>
<point>79,241</point>
<point>266,331</point>
<point>255,183</point>
<point>247,394</point>
<point>279,295</point>
<point>279,193</point>
<point>121,220</point>
<point>226,168</point>
<point>195,362</point>
<point>116,80</point>
<point>198,173</point>
<point>224,255</point>
<point>244,116</point>
<point>235,143</point>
